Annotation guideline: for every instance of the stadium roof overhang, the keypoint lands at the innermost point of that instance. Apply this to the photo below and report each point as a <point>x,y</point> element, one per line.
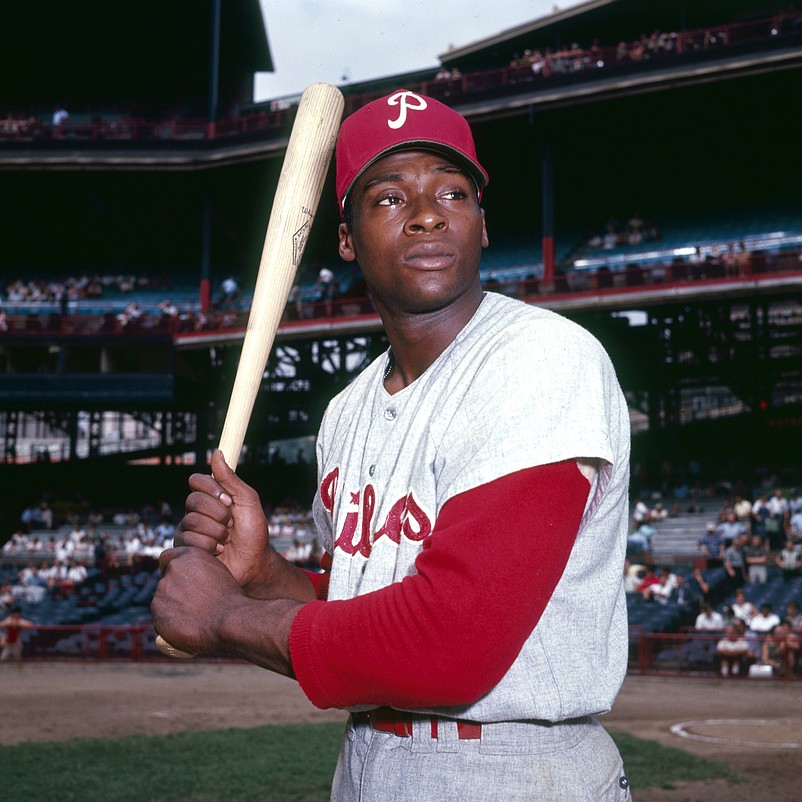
<point>96,54</point>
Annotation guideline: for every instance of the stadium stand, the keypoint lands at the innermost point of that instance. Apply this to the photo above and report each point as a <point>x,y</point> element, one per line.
<point>107,614</point>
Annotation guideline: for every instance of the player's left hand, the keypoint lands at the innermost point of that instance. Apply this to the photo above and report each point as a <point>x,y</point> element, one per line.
<point>194,594</point>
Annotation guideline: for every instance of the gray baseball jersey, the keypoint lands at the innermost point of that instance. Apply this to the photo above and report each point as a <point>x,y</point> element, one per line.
<point>519,387</point>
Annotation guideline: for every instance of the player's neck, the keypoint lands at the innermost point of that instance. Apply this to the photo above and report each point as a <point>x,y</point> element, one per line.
<point>418,340</point>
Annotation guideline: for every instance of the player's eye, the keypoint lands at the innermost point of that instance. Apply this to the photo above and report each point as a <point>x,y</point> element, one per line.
<point>455,194</point>
<point>389,200</point>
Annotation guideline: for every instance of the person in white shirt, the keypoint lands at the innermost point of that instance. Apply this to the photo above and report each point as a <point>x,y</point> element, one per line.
<point>709,619</point>
<point>742,609</point>
<point>661,592</point>
<point>764,621</point>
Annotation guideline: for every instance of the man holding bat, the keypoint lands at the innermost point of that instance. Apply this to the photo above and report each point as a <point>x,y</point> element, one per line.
<point>472,496</point>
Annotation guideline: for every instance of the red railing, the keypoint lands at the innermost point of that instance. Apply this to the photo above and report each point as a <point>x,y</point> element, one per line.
<point>693,654</point>
<point>42,319</point>
<point>685,653</point>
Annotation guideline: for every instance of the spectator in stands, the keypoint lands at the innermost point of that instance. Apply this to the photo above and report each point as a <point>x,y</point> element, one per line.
<point>734,562</point>
<point>7,598</point>
<point>643,514</point>
<point>742,508</point>
<point>777,506</point>
<point>760,513</point>
<point>131,316</point>
<point>640,540</point>
<point>732,653</point>
<point>299,552</point>
<point>756,557</point>
<point>794,502</point>
<point>793,645</point>
<point>779,650</point>
<point>742,608</point>
<point>633,574</point>
<point>789,560</point>
<point>169,315</point>
<point>31,584</point>
<point>698,586</point>
<point>711,546</point>
<point>792,615</point>
<point>687,596</point>
<point>164,532</point>
<point>730,528</point>
<point>709,619</point>
<point>58,120</point>
<point>764,621</point>
<point>229,293</point>
<point>794,529</point>
<point>662,590</point>
<point>13,624</point>
<point>325,289</point>
<point>760,626</point>
<point>647,581</point>
<point>16,543</point>
<point>76,573</point>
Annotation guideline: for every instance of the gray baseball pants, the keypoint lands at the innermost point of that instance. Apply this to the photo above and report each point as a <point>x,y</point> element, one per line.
<point>573,761</point>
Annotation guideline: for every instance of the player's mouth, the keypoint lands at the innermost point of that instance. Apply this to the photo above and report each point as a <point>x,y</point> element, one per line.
<point>428,256</point>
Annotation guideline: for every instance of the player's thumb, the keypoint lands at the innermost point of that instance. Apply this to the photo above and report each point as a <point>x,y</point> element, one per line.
<point>240,493</point>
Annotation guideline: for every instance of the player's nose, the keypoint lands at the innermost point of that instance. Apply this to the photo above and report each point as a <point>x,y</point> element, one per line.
<point>425,214</point>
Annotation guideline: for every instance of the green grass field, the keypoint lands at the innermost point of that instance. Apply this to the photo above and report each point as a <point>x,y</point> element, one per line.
<point>290,763</point>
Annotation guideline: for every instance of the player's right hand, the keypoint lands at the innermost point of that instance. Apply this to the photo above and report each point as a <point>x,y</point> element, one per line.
<point>224,517</point>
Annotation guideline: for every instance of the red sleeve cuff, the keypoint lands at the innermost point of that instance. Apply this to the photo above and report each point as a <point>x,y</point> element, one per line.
<point>301,653</point>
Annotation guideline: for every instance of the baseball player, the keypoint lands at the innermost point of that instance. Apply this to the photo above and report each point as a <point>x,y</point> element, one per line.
<point>472,499</point>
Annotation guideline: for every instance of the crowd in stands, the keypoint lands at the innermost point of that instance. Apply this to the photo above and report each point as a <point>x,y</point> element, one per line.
<point>66,294</point>
<point>86,286</point>
<point>53,558</point>
<point>635,231</point>
<point>748,558</point>
<point>545,62</point>
<point>722,595</point>
<point>16,124</point>
<point>538,62</point>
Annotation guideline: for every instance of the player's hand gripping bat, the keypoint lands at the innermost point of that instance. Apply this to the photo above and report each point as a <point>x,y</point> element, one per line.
<point>295,203</point>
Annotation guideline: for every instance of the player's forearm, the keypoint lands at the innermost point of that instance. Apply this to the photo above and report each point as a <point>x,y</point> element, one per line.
<point>258,631</point>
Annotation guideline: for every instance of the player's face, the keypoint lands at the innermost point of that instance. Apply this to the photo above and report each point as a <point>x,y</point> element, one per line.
<point>417,231</point>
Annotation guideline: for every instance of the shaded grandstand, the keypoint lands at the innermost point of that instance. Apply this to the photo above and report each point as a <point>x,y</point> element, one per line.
<point>160,175</point>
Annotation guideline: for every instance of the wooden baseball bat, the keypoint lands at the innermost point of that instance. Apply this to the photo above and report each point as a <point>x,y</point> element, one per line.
<point>295,203</point>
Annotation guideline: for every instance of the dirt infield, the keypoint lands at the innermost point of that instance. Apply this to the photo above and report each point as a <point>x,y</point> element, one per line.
<point>754,726</point>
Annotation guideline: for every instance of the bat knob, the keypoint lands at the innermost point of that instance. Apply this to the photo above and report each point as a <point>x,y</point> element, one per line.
<point>171,651</point>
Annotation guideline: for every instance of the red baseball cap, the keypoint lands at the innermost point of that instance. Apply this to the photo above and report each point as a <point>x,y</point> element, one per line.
<point>403,120</point>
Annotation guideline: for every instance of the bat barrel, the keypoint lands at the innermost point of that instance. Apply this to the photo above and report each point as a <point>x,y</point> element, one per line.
<point>295,204</point>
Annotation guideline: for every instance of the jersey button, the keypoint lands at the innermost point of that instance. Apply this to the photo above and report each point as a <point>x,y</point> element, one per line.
<point>372,470</point>
<point>390,413</point>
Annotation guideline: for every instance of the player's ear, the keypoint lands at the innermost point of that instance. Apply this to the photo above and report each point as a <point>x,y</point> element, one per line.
<point>346,246</point>
<point>485,240</point>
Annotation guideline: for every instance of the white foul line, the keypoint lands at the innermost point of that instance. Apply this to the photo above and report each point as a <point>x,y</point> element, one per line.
<point>680,730</point>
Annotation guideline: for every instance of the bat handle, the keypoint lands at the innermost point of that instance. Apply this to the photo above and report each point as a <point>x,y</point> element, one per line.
<point>171,651</point>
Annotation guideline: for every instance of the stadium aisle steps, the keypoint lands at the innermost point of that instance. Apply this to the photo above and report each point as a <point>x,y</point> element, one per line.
<point>679,536</point>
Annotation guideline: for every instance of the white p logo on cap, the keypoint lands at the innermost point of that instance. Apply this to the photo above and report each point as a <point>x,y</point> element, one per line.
<point>406,100</point>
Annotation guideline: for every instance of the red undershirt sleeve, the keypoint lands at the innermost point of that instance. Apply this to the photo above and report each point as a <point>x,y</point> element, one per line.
<point>447,635</point>
<point>320,579</point>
